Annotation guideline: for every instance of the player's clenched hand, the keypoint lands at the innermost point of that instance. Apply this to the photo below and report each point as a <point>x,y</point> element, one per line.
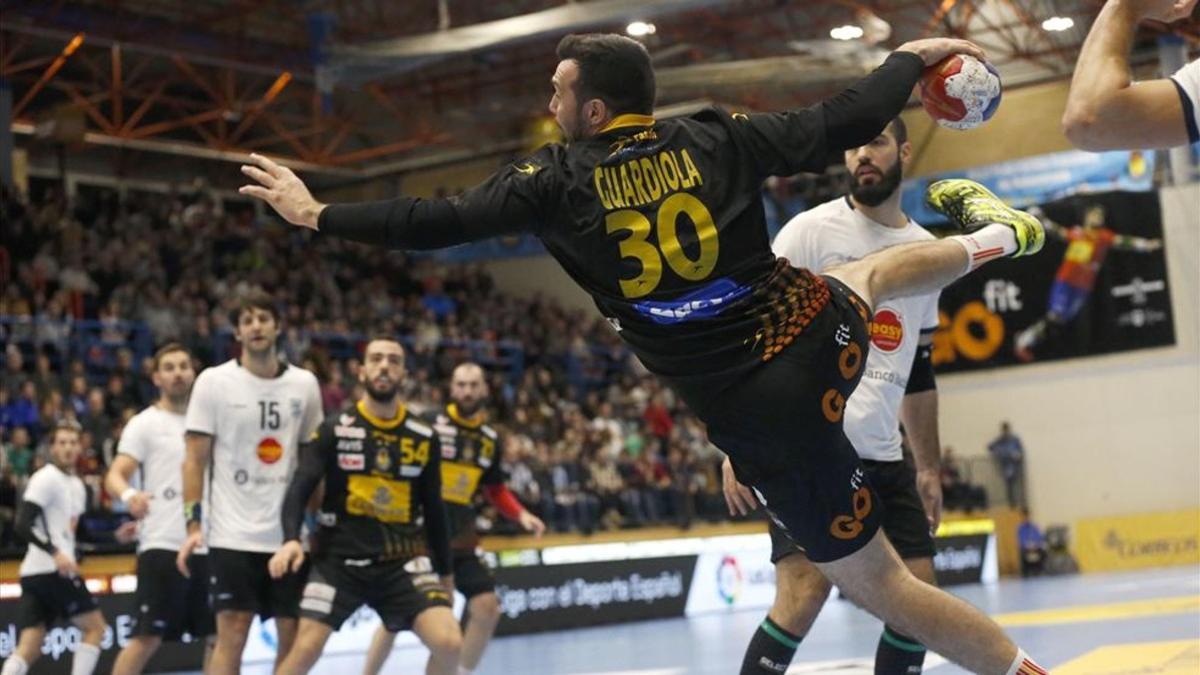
<point>739,498</point>
<point>283,190</point>
<point>531,523</point>
<point>932,50</point>
<point>127,532</point>
<point>929,486</point>
<point>288,558</point>
<point>139,504</point>
<point>65,564</point>
<point>193,541</point>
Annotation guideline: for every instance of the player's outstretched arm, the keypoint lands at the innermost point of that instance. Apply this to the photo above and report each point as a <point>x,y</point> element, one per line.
<point>507,203</point>
<point>1105,109</point>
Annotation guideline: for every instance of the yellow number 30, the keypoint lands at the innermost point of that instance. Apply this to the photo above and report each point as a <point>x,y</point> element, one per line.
<point>636,245</point>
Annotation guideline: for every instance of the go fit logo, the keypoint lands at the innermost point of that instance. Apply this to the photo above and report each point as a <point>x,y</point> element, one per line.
<point>849,527</point>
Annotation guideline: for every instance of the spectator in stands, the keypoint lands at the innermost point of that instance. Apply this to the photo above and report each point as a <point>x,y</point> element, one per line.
<point>1033,546</point>
<point>681,488</point>
<point>96,421</point>
<point>605,485</point>
<point>575,507</point>
<point>1010,455</point>
<point>14,366</point>
<point>8,505</point>
<point>45,380</point>
<point>78,396</point>
<point>23,410</point>
<point>19,454</point>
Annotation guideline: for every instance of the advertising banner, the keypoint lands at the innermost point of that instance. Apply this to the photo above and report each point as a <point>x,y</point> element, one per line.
<point>1099,286</point>
<point>1139,541</point>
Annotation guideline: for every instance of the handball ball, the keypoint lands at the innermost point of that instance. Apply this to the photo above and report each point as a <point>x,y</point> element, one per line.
<point>960,91</point>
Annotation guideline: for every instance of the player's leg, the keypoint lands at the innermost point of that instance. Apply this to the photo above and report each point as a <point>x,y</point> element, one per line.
<point>233,626</point>
<point>907,528</point>
<point>308,642</point>
<point>92,625</point>
<point>381,646</point>
<point>925,267</point>
<point>473,579</point>
<point>800,592</point>
<point>136,654</point>
<point>438,630</point>
<point>284,599</point>
<point>285,629</point>
<point>29,648</point>
<point>485,615</point>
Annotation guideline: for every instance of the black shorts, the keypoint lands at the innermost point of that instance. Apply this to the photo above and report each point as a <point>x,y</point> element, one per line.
<point>335,590</point>
<point>239,581</point>
<point>168,603</point>
<point>471,575</point>
<point>904,520</point>
<point>46,598</point>
<point>781,425</point>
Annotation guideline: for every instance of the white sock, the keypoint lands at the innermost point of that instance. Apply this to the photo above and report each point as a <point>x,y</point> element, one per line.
<point>1023,665</point>
<point>15,665</point>
<point>986,244</point>
<point>85,659</point>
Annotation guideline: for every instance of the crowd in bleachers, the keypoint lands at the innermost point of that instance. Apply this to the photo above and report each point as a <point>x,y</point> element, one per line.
<point>91,284</point>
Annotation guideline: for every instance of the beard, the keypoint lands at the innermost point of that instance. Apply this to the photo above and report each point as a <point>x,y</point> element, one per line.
<point>382,394</point>
<point>878,192</point>
<point>575,131</point>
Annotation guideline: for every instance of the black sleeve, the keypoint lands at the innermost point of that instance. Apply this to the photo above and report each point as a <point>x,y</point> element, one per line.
<point>784,143</point>
<point>437,523</point>
<point>308,474</point>
<point>27,516</point>
<point>920,377</point>
<point>507,203</point>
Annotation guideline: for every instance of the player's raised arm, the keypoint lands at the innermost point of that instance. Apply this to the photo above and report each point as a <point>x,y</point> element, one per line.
<point>507,203</point>
<point>785,143</point>
<point>1106,110</point>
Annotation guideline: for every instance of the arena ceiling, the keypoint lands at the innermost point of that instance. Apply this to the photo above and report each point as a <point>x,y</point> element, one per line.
<point>363,88</point>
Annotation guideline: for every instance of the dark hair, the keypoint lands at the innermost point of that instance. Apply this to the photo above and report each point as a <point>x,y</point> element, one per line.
<point>899,130</point>
<point>253,299</point>
<point>612,68</point>
<point>380,337</point>
<point>64,425</point>
<point>169,348</point>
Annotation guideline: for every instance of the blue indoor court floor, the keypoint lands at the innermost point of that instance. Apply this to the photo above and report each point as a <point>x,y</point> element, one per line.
<point>1142,622</point>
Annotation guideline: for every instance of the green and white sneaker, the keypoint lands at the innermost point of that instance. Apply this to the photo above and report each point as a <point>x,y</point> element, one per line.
<point>970,206</point>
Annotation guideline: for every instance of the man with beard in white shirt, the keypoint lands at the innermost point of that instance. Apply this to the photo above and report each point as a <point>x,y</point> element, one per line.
<point>51,587</point>
<point>897,386</point>
<point>151,446</point>
<point>245,420</point>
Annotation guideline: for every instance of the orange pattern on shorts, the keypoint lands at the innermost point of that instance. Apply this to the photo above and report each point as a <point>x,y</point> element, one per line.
<point>796,297</point>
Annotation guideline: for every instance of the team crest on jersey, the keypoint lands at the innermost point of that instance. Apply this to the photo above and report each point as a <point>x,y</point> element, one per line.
<point>383,460</point>
<point>468,451</point>
<point>887,330</point>
<point>297,406</point>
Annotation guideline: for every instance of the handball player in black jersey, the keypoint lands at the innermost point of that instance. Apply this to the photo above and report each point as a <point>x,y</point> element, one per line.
<point>662,223</point>
<point>382,472</point>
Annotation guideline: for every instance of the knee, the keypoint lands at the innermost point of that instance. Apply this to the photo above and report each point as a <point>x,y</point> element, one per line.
<point>446,646</point>
<point>485,607</point>
<point>800,592</point>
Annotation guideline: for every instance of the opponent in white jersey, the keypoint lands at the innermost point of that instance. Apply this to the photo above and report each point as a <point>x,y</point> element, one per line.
<point>1106,109</point>
<point>897,385</point>
<point>245,420</point>
<point>169,604</point>
<point>51,587</point>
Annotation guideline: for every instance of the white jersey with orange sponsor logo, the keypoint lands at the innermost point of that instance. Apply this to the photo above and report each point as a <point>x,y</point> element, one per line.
<point>257,425</point>
<point>834,233</point>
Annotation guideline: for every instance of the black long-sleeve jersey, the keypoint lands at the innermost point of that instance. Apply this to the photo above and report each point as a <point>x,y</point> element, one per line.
<point>470,459</point>
<point>662,223</point>
<point>381,478</point>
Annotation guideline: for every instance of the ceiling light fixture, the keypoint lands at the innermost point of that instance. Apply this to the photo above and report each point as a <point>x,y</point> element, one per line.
<point>1058,23</point>
<point>846,33</point>
<point>640,29</point>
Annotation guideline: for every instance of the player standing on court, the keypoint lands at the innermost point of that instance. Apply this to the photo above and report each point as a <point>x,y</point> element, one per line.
<point>662,223</point>
<point>245,420</point>
<point>151,445</point>
<point>469,461</point>
<point>51,587</point>
<point>897,386</point>
<point>381,469</point>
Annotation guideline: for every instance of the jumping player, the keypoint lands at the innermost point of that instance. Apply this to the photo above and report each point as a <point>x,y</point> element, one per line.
<point>151,445</point>
<point>245,420</point>
<point>897,386</point>
<point>662,223</point>
<point>381,470</point>
<point>470,461</point>
<point>1087,247</point>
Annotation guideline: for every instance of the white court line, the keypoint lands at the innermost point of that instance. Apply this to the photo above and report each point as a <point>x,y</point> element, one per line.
<point>864,666</point>
<point>654,671</point>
